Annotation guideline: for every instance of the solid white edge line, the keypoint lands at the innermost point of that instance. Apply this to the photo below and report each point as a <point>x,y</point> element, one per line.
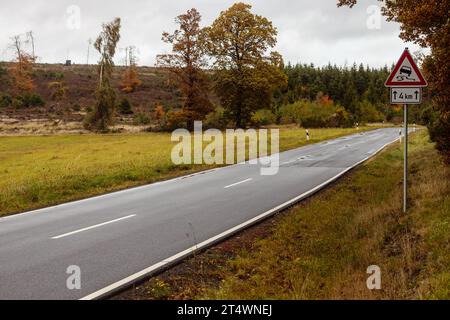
<point>238,183</point>
<point>226,234</point>
<point>92,227</point>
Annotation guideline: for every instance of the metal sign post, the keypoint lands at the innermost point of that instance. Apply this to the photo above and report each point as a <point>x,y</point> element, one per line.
<point>405,157</point>
<point>406,83</point>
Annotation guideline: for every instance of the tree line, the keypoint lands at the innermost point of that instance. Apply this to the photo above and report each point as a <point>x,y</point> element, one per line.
<point>427,24</point>
<point>359,90</point>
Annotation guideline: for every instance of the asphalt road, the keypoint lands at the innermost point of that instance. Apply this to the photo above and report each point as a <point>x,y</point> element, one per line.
<point>120,237</point>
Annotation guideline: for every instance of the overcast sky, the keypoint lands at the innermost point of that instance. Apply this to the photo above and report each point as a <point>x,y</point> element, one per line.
<point>309,31</point>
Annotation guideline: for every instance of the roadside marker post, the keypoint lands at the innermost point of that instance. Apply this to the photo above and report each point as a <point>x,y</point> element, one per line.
<point>406,83</point>
<point>307,135</point>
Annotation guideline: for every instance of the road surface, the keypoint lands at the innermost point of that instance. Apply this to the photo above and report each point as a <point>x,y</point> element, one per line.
<point>118,238</point>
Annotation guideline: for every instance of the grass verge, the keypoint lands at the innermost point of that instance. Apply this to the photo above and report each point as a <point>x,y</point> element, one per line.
<point>321,248</point>
<point>39,171</point>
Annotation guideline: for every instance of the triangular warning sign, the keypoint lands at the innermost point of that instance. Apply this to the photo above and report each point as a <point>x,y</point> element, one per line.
<point>406,73</point>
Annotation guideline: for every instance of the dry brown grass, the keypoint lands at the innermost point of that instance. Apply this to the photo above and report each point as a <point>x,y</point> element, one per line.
<point>17,127</point>
<point>322,248</point>
<point>10,126</point>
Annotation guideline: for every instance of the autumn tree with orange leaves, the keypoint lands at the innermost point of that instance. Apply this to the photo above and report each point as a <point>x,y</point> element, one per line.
<point>159,115</point>
<point>246,76</point>
<point>130,81</point>
<point>186,63</point>
<point>21,72</point>
<point>427,23</point>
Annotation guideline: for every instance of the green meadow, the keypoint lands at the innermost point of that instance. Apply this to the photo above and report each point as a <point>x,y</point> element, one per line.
<point>39,171</point>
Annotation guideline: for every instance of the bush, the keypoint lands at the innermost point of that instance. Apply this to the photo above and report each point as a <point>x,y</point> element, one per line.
<point>369,113</point>
<point>428,115</point>
<point>34,100</point>
<point>289,113</point>
<point>315,114</point>
<point>3,71</point>
<point>76,107</point>
<point>58,90</point>
<point>4,77</point>
<point>124,107</point>
<point>263,117</point>
<point>216,119</point>
<point>309,114</point>
<point>5,100</point>
<point>88,120</point>
<point>28,100</point>
<point>160,116</point>
<point>175,120</point>
<point>50,75</point>
<point>340,119</point>
<point>141,119</point>
<point>439,132</point>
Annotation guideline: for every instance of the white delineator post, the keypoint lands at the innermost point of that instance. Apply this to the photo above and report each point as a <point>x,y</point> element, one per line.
<point>307,135</point>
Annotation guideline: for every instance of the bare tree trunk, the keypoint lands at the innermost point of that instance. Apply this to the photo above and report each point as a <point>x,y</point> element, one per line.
<point>101,75</point>
<point>31,36</point>
<point>17,45</point>
<point>88,51</point>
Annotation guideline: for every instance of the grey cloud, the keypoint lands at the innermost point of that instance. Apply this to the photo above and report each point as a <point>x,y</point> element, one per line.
<point>309,31</point>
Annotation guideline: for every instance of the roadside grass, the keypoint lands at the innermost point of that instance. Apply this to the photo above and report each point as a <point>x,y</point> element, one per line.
<point>39,171</point>
<point>321,248</point>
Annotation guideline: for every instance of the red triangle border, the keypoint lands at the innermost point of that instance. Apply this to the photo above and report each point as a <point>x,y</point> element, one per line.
<point>421,83</point>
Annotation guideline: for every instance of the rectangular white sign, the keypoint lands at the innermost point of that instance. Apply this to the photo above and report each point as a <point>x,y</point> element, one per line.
<point>406,95</point>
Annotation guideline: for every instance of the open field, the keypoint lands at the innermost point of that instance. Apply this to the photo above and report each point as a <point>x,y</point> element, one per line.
<point>38,171</point>
<point>321,248</point>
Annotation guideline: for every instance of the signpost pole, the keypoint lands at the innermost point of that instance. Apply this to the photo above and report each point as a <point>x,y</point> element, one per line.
<point>405,83</point>
<point>405,169</point>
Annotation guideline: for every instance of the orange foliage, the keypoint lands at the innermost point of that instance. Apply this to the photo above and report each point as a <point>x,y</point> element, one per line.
<point>176,119</point>
<point>21,73</point>
<point>326,101</point>
<point>130,80</point>
<point>187,62</point>
<point>159,114</point>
